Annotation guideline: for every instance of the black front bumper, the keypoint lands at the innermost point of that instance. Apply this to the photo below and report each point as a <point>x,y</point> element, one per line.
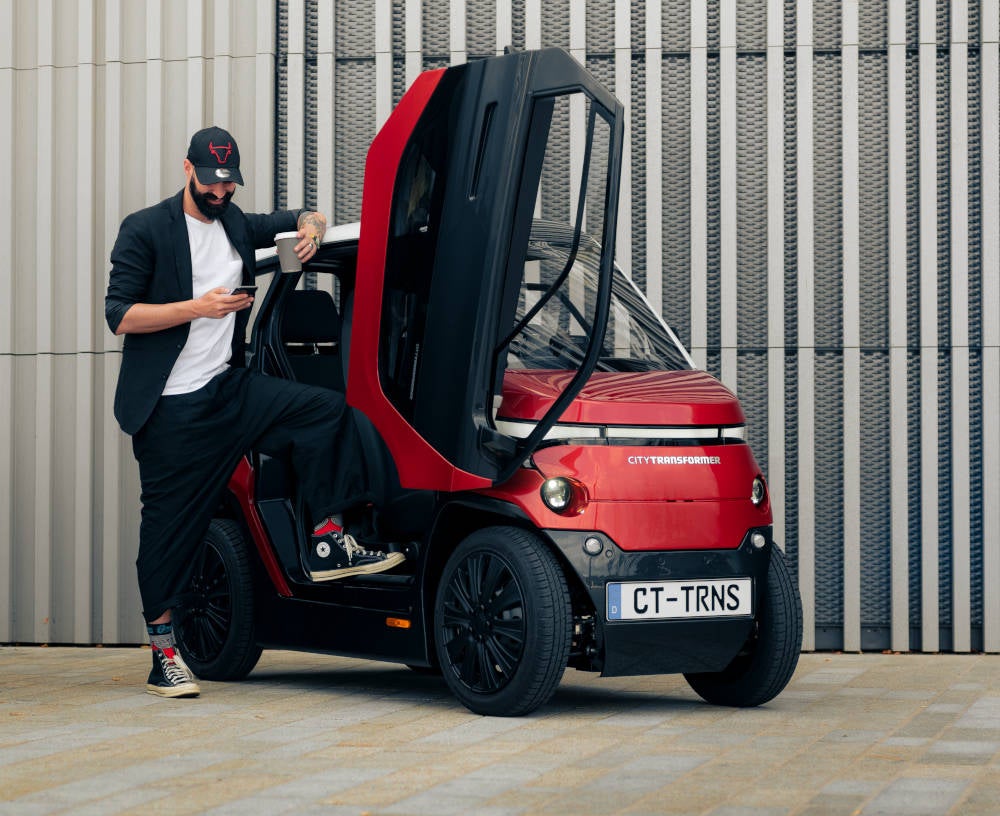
<point>665,646</point>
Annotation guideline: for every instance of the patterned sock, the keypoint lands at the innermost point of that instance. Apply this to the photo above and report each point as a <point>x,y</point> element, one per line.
<point>161,636</point>
<point>331,524</point>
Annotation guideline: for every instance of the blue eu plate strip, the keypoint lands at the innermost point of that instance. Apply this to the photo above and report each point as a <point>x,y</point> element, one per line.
<point>614,601</point>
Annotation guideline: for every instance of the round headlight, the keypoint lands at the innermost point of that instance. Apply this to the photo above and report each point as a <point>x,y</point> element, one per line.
<point>758,491</point>
<point>563,496</point>
<point>557,494</point>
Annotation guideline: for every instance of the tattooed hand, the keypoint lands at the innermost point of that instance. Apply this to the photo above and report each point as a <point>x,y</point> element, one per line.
<point>312,227</point>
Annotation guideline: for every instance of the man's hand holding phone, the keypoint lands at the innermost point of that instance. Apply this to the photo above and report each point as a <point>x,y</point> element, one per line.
<point>222,301</point>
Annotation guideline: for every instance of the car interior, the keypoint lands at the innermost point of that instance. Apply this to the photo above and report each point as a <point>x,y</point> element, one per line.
<point>314,349</point>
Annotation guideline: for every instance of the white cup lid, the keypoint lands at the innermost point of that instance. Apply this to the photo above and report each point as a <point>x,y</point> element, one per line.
<point>281,235</point>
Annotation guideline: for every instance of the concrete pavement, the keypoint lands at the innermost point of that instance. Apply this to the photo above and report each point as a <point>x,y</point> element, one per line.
<point>312,734</point>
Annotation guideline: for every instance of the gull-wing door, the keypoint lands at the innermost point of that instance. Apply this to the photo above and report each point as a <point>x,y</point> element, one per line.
<point>449,270</point>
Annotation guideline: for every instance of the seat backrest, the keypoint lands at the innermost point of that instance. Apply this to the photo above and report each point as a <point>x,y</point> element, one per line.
<point>310,333</point>
<point>310,316</point>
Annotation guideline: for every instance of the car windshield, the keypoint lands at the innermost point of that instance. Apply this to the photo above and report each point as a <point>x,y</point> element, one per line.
<point>556,336</point>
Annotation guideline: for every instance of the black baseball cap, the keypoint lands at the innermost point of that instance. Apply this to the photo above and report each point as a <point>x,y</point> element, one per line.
<point>215,156</point>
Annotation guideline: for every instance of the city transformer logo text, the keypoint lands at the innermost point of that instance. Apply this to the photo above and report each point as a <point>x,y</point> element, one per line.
<point>674,460</point>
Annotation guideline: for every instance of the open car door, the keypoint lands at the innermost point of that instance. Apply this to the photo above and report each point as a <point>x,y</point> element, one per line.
<point>450,271</point>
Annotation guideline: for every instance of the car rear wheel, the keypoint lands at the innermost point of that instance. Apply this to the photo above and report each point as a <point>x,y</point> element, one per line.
<point>768,660</point>
<point>216,627</point>
<point>502,622</point>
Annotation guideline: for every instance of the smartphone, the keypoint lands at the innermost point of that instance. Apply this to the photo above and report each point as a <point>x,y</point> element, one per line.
<point>244,290</point>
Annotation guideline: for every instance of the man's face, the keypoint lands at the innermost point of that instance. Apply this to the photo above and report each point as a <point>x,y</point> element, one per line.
<point>211,199</point>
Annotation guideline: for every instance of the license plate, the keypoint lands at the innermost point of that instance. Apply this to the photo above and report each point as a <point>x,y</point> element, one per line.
<point>667,600</point>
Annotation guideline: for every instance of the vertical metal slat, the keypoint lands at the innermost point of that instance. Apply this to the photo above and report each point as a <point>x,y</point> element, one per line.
<point>852,329</point>
<point>776,264</point>
<point>729,313</point>
<point>961,532</point>
<point>806,330</point>
<point>699,184</point>
<point>898,442</point>
<point>653,225</point>
<point>928,327</point>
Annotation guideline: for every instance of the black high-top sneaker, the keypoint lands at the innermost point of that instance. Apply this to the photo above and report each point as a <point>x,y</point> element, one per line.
<point>336,554</point>
<point>170,676</point>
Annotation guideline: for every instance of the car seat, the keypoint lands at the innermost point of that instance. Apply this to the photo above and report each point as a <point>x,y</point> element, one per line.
<point>310,334</point>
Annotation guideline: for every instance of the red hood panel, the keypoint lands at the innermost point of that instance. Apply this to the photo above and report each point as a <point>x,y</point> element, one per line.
<point>668,398</point>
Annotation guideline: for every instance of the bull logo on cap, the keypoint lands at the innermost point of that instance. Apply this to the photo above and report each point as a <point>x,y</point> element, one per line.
<point>221,153</point>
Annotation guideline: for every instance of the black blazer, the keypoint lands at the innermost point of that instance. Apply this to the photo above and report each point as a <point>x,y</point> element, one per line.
<point>151,263</point>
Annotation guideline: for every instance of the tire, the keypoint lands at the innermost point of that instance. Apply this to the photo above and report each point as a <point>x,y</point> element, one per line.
<point>768,660</point>
<point>216,627</point>
<point>502,622</point>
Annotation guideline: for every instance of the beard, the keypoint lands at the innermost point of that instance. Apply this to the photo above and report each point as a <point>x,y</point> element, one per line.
<point>209,209</point>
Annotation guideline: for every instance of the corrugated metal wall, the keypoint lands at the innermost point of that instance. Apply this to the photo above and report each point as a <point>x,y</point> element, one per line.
<point>811,196</point>
<point>97,101</point>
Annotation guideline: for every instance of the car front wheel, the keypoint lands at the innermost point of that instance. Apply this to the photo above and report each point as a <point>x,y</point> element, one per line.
<point>502,622</point>
<point>767,661</point>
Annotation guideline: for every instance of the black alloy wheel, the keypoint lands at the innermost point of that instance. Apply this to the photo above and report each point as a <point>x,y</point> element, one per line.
<point>216,625</point>
<point>502,622</point>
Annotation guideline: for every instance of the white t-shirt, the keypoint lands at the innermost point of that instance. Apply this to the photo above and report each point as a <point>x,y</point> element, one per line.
<point>214,263</point>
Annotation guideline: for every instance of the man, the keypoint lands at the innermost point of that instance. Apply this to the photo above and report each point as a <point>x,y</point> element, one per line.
<point>191,407</point>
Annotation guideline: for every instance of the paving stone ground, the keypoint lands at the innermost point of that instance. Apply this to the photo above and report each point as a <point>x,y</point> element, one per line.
<point>312,734</point>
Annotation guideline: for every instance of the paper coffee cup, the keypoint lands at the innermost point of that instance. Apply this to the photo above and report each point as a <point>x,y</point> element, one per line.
<point>285,242</point>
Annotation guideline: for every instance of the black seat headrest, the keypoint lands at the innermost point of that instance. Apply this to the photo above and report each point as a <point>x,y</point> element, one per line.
<point>310,317</point>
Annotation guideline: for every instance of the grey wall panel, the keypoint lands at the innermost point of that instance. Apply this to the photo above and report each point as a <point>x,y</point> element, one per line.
<point>790,225</point>
<point>790,23</point>
<point>752,385</point>
<point>751,25</point>
<point>943,20</point>
<point>517,24</point>
<point>827,17</point>
<point>310,124</point>
<point>637,137</point>
<point>600,28</point>
<point>713,20</point>
<point>873,214</point>
<point>675,25</point>
<point>355,121</point>
<point>869,283</point>
<point>435,26</point>
<point>281,107</point>
<point>97,115</point>
<point>827,213</point>
<point>945,506</point>
<point>915,483</point>
<point>399,83</point>
<point>873,24</point>
<point>751,193</point>
<point>827,503</point>
<point>791,497</point>
<point>713,204</point>
<point>676,195</point>
<point>556,23</point>
<point>875,471</point>
<point>355,29</point>
<point>481,28</point>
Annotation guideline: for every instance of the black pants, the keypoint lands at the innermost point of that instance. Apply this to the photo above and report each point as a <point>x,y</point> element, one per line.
<point>188,448</point>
